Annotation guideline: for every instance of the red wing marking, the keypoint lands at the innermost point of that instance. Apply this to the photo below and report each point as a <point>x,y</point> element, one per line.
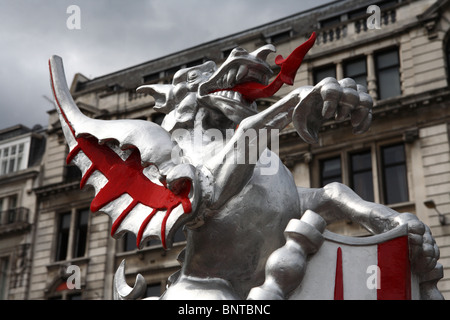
<point>125,176</point>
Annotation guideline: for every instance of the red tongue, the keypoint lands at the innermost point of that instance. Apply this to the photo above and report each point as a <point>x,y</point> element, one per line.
<point>289,66</point>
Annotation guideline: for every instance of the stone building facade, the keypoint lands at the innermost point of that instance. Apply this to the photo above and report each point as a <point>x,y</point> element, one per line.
<point>21,151</point>
<point>399,51</point>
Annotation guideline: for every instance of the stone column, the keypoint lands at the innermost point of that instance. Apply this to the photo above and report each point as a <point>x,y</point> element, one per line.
<point>371,77</point>
<point>339,70</point>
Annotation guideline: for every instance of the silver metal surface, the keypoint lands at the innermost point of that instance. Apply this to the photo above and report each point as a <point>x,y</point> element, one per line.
<point>122,291</point>
<point>286,266</point>
<point>241,211</point>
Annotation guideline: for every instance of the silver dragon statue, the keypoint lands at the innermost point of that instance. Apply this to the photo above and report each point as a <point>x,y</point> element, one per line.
<point>209,169</point>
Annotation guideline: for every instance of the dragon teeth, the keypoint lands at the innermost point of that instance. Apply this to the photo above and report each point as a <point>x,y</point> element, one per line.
<point>242,72</point>
<point>231,77</point>
<point>229,94</point>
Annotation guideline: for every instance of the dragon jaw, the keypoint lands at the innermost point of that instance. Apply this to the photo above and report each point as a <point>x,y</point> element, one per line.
<point>243,78</point>
<point>240,68</point>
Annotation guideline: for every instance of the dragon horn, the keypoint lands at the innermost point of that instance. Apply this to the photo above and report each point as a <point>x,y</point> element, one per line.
<point>263,52</point>
<point>68,111</point>
<point>163,95</point>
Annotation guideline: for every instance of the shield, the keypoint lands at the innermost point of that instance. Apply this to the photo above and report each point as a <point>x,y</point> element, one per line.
<point>364,268</point>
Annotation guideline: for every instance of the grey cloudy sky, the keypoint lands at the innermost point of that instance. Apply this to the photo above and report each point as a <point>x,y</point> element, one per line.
<point>114,34</point>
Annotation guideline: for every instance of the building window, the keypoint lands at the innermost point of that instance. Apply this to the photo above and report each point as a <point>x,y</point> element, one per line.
<point>12,158</point>
<point>12,202</point>
<point>356,169</point>
<point>361,180</point>
<point>71,172</point>
<point>4,262</point>
<point>194,63</point>
<point>129,240</point>
<point>169,73</point>
<point>63,236</point>
<point>226,52</point>
<point>330,171</point>
<point>71,236</point>
<point>358,13</point>
<point>394,174</point>
<point>388,74</point>
<point>10,213</point>
<point>447,55</point>
<point>324,72</point>
<point>279,37</point>
<point>81,229</point>
<point>330,22</point>
<point>151,78</point>
<point>153,290</point>
<point>357,70</point>
<point>158,118</point>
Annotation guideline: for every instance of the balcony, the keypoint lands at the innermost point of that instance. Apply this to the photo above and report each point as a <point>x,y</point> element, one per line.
<point>14,220</point>
<point>354,26</point>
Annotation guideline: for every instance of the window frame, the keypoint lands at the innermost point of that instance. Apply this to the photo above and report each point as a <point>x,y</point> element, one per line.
<point>379,70</point>
<point>81,231</point>
<point>321,167</point>
<point>279,36</point>
<point>8,208</point>
<point>62,232</point>
<point>324,67</point>
<point>382,167</point>
<point>73,235</point>
<point>128,241</point>
<point>446,48</point>
<point>348,62</point>
<point>352,172</point>
<point>5,265</point>
<point>377,168</point>
<point>15,152</point>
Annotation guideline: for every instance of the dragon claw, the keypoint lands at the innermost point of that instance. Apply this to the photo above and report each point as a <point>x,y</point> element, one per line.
<point>122,291</point>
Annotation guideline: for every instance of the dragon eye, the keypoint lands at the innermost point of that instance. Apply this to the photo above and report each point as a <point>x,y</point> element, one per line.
<point>192,76</point>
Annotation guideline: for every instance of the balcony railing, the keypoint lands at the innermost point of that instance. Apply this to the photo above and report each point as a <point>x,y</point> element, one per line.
<point>14,216</point>
<point>353,26</point>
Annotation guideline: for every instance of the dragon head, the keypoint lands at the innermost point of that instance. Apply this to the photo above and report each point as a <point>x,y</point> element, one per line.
<point>230,89</point>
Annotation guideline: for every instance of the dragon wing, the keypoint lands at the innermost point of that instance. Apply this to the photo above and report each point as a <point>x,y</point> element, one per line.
<point>127,162</point>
